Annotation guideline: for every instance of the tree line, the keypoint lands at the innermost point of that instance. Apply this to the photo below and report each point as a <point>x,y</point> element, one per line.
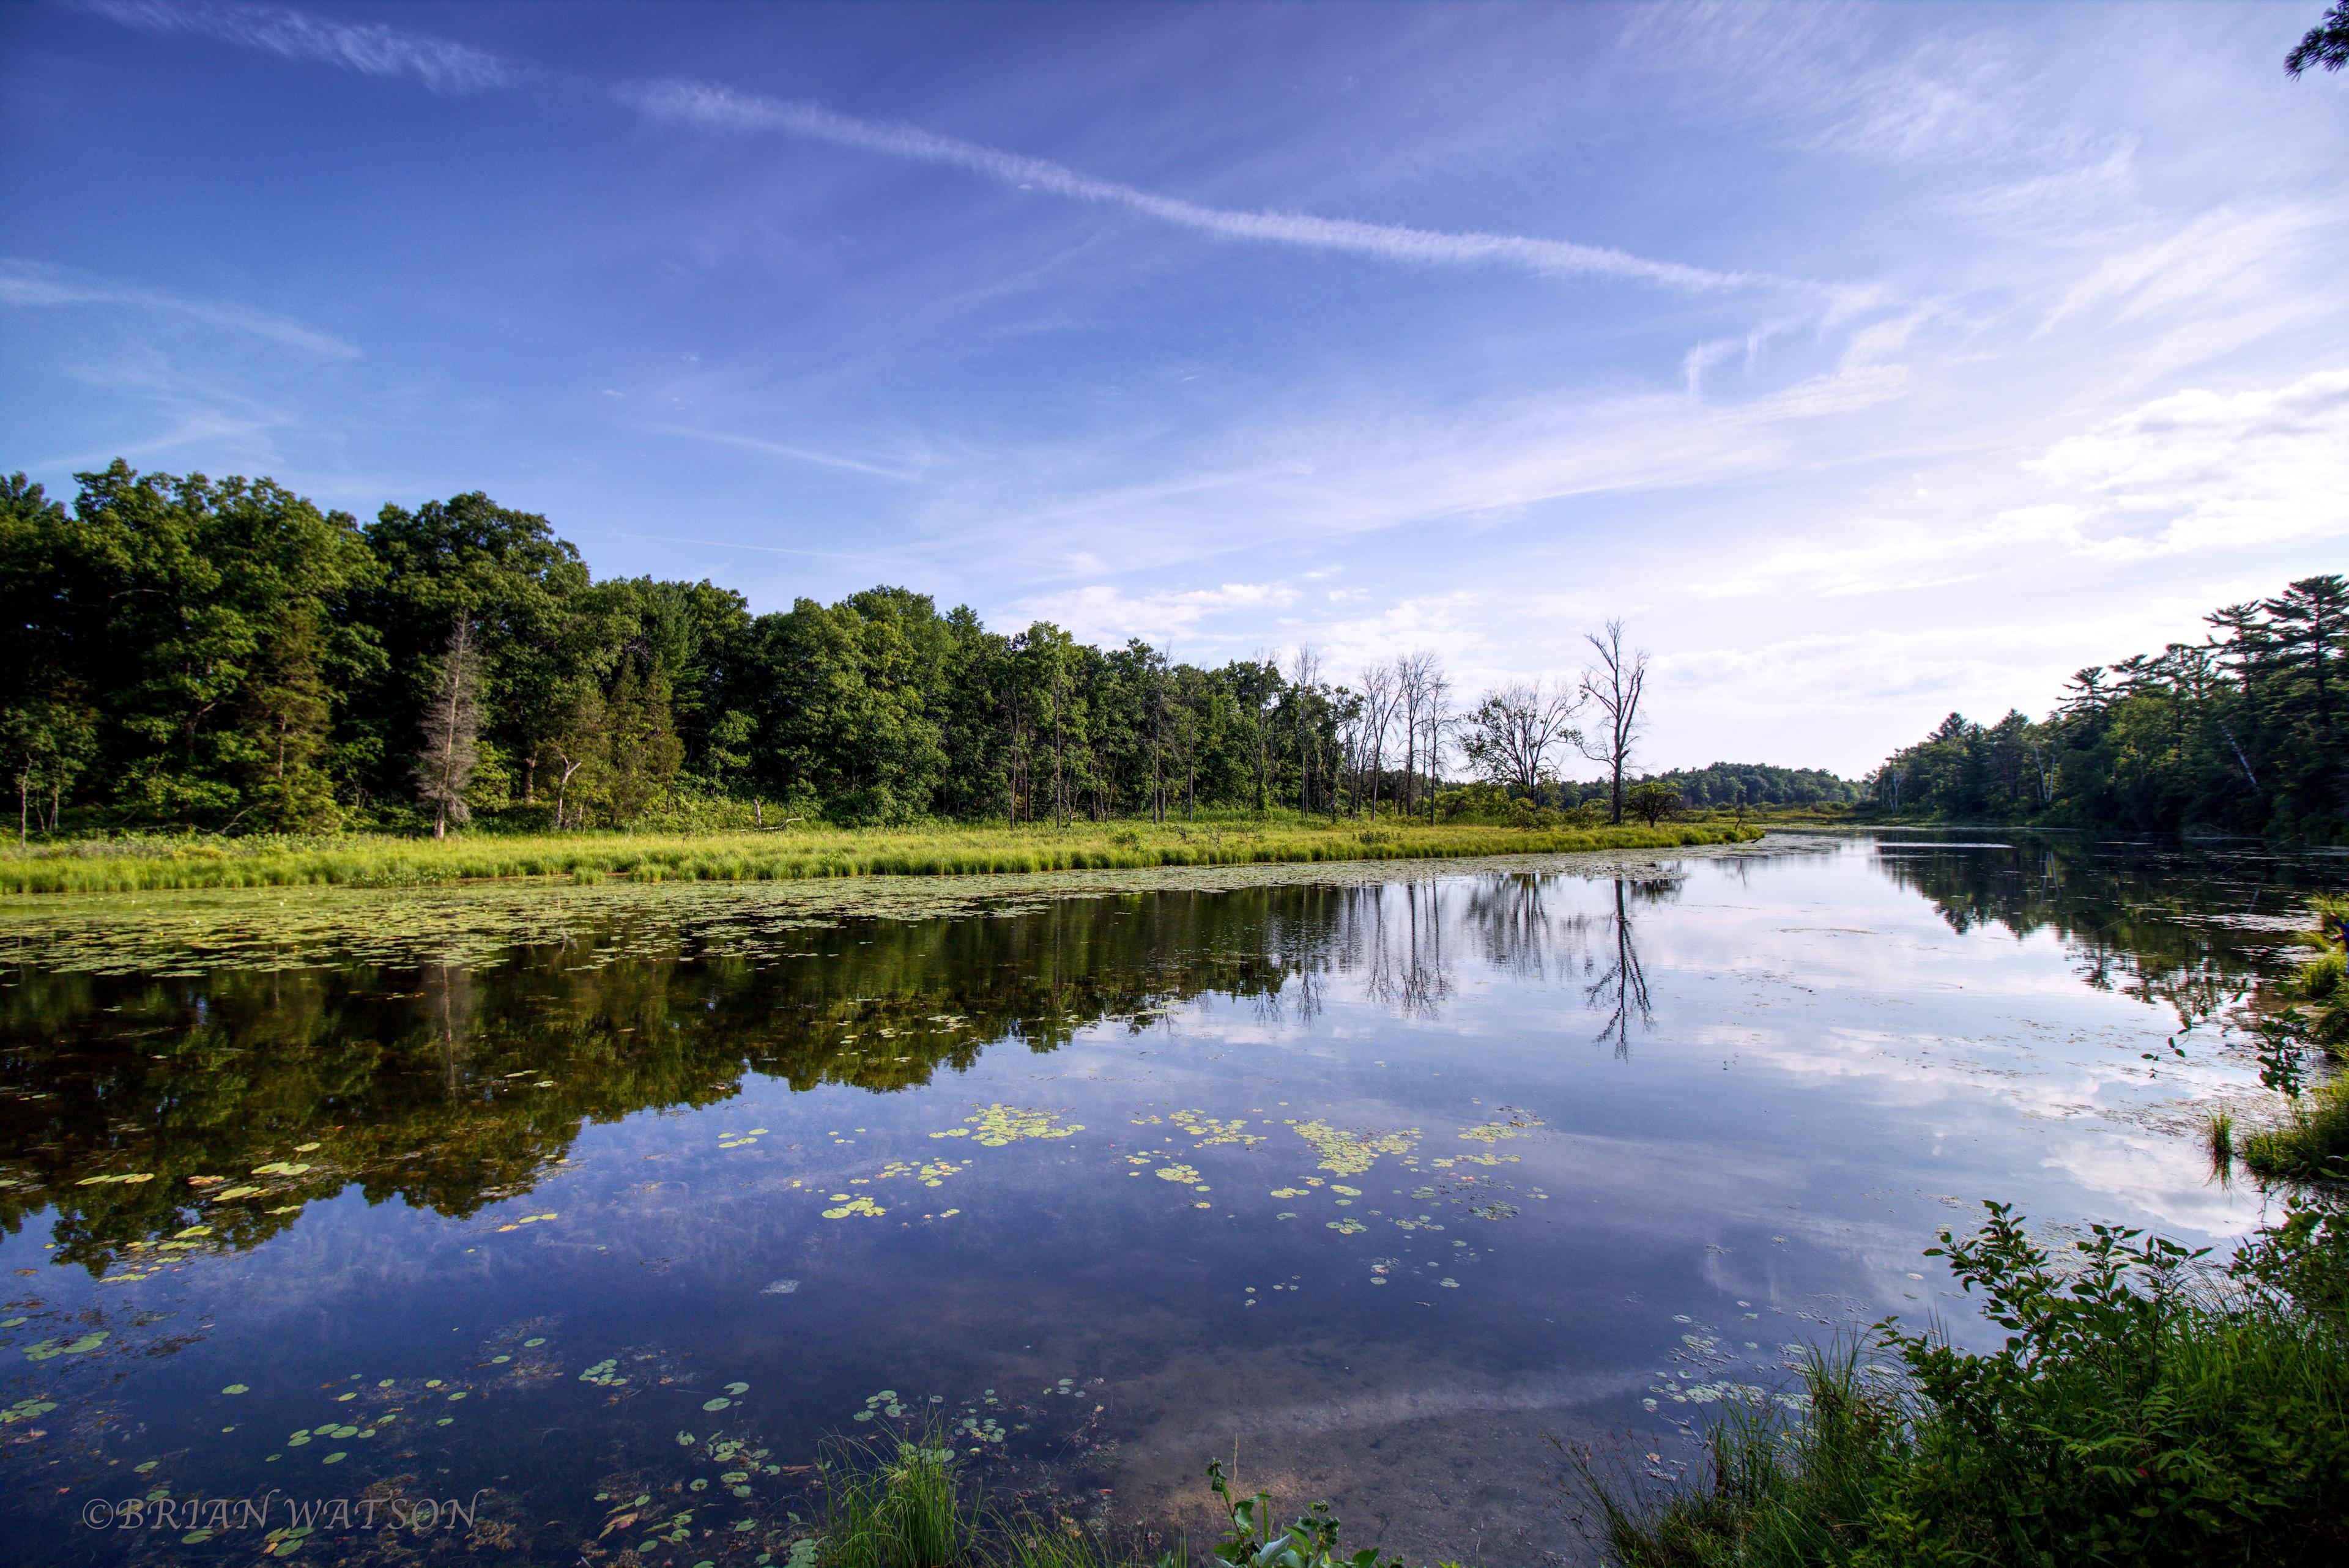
<point>227,656</point>
<point>2245,731</point>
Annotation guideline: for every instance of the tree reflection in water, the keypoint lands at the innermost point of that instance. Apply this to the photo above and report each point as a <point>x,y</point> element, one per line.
<point>1621,992</point>
<point>134,1104</point>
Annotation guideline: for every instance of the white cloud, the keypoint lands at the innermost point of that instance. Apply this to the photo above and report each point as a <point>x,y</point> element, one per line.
<point>2196,470</point>
<point>2204,471</point>
<point>36,285</point>
<point>1107,615</point>
<point>2223,256</point>
<point>718,108</point>
<point>903,473</point>
<point>367,47</point>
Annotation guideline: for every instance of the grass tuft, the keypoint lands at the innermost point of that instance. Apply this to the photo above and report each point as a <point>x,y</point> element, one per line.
<point>893,1505</point>
<point>2311,1144</point>
<point>2219,1132</point>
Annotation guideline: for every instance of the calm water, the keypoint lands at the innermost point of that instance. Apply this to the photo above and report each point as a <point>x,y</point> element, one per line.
<point>566,1201</point>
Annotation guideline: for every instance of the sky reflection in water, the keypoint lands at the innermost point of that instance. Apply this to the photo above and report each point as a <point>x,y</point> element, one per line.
<point>1379,1179</point>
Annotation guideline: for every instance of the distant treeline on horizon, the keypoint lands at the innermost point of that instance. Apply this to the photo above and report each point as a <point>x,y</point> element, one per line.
<point>228,656</point>
<point>2246,731</point>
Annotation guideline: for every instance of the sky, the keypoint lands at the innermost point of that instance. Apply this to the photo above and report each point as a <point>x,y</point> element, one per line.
<point>1869,362</point>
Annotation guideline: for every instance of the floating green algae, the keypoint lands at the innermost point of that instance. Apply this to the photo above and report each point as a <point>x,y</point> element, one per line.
<point>998,1125</point>
<point>1349,1153</point>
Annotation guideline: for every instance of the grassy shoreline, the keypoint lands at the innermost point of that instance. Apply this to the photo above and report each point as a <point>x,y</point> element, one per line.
<point>791,854</point>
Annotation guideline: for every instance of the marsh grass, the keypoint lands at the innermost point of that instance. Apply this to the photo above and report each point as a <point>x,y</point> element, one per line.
<point>1030,1540</point>
<point>2143,1410</point>
<point>2218,1133</point>
<point>379,860</point>
<point>2311,1144</point>
<point>896,1504</point>
<point>907,1502</point>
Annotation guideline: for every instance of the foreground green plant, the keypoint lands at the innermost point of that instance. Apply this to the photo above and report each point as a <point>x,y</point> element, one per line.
<point>893,1505</point>
<point>2142,1411</point>
<point>2311,1031</point>
<point>2311,1144</point>
<point>906,1504</point>
<point>1252,1541</point>
<point>2320,985</point>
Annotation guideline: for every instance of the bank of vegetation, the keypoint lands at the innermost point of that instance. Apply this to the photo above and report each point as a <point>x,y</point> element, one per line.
<point>227,657</point>
<point>2246,731</point>
<point>366,860</point>
<point>2147,1406</point>
<point>2303,1028</point>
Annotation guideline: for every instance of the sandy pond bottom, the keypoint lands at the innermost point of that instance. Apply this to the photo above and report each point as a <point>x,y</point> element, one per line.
<point>603,1215</point>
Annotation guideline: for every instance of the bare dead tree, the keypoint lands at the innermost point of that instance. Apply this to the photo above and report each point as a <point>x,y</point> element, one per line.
<point>1438,722</point>
<point>1304,675</point>
<point>1415,677</point>
<point>1512,732</point>
<point>452,726</point>
<point>1378,714</point>
<point>1614,685</point>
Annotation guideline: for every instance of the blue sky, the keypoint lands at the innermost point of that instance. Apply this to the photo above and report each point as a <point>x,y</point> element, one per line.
<point>1871,362</point>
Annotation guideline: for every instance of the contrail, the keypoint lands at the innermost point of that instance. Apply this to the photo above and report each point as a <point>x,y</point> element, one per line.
<point>369,48</point>
<point>447,66</point>
<point>718,109</point>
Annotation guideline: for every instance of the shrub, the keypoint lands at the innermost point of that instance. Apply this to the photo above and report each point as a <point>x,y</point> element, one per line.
<point>2141,1412</point>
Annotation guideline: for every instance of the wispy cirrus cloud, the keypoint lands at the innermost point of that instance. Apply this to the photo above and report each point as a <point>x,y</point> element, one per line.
<point>456,69</point>
<point>2195,472</point>
<point>445,66</point>
<point>719,108</point>
<point>369,47</point>
<point>1101,611</point>
<point>34,285</point>
<point>904,474</point>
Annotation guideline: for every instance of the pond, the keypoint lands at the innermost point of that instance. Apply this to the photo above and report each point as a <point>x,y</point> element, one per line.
<point>602,1211</point>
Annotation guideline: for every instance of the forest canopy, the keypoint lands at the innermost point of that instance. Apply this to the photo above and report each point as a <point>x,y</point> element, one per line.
<point>226,655</point>
<point>2245,731</point>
